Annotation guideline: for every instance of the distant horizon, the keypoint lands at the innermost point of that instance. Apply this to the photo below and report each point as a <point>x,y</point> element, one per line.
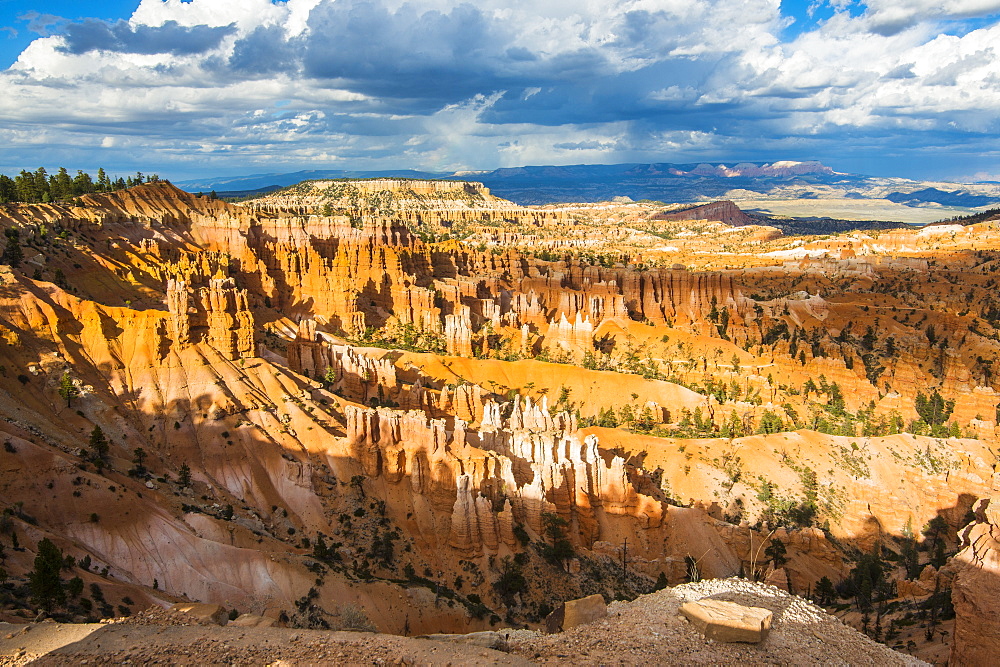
<point>473,172</point>
<point>246,174</point>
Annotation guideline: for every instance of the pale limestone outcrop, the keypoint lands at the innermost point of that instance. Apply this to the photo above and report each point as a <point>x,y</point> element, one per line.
<point>727,621</point>
<point>573,613</point>
<point>466,402</point>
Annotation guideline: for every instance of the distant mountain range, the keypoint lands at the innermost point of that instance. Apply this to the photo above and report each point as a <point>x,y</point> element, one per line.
<point>680,183</point>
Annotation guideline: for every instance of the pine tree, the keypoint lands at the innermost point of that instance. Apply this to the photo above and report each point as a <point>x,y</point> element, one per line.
<point>940,558</point>
<point>41,179</point>
<point>184,476</point>
<point>67,389</point>
<point>103,182</point>
<point>46,587</point>
<point>776,552</point>
<point>8,189</point>
<point>74,587</point>
<point>933,409</point>
<point>320,550</point>
<point>12,253</point>
<point>138,462</point>
<point>99,443</point>
<point>27,190</point>
<point>825,591</point>
<point>61,185</point>
<point>82,183</point>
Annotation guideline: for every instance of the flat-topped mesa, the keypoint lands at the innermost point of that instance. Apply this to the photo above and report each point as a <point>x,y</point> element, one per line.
<point>217,314</point>
<point>430,204</point>
<point>415,186</point>
<point>382,194</point>
<point>717,211</point>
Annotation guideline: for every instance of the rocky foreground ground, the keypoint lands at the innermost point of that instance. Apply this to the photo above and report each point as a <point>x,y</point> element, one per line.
<point>648,630</point>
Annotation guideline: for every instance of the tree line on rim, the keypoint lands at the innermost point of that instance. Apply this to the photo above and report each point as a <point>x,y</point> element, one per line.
<point>41,187</point>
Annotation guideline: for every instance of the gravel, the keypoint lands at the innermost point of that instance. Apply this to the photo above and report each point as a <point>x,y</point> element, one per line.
<point>649,630</point>
<point>646,631</point>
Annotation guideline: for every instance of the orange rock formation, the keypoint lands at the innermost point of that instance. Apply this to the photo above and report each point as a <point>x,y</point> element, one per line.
<point>340,377</point>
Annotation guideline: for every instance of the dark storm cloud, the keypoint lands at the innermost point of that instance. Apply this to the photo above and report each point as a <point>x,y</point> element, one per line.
<point>264,51</point>
<point>430,55</point>
<point>171,37</point>
<point>403,53</point>
<point>624,96</point>
<point>411,60</point>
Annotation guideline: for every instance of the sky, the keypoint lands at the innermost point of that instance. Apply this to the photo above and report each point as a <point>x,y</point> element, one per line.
<point>201,88</point>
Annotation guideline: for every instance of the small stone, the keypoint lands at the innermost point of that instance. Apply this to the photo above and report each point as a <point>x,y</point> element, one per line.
<point>253,621</point>
<point>576,612</point>
<point>211,613</point>
<point>727,621</point>
<point>485,638</point>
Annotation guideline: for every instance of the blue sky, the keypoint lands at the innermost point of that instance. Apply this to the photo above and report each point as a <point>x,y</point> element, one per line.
<point>22,21</point>
<point>197,88</point>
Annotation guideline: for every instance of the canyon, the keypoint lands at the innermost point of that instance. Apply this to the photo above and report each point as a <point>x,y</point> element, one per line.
<point>452,412</point>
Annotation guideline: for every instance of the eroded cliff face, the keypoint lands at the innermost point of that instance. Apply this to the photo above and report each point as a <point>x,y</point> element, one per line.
<point>357,406</point>
<point>977,588</point>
